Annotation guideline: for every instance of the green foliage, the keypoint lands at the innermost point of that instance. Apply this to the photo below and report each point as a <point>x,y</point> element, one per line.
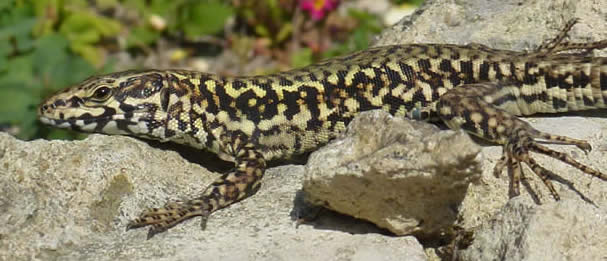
<point>32,68</point>
<point>193,18</point>
<point>204,17</point>
<point>302,57</point>
<point>82,27</point>
<point>269,19</point>
<point>84,30</point>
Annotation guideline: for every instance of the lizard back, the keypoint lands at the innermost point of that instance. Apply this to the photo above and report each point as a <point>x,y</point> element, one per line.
<point>296,111</point>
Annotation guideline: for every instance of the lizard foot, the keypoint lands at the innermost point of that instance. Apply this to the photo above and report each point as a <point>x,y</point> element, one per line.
<point>516,151</point>
<point>161,219</point>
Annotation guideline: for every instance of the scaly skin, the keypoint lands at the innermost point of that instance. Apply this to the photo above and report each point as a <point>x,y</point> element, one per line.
<point>249,120</point>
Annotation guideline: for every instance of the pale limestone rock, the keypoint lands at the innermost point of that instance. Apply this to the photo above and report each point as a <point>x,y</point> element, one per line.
<point>565,230</point>
<point>71,201</point>
<point>402,175</point>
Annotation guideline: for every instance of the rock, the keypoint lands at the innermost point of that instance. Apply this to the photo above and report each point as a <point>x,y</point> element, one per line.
<point>402,175</point>
<point>522,230</point>
<point>71,200</point>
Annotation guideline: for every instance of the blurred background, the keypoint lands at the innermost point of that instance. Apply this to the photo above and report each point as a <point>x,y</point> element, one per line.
<point>48,45</point>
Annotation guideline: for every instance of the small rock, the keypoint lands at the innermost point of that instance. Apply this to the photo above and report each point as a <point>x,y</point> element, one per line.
<point>405,176</point>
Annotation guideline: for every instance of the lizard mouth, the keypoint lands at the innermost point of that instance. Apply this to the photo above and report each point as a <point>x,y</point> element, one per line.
<point>58,122</point>
<point>109,121</point>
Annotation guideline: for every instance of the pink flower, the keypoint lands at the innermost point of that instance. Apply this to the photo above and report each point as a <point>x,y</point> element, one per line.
<point>317,8</point>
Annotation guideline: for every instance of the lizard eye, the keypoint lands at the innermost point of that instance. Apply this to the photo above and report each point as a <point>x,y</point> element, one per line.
<point>102,94</point>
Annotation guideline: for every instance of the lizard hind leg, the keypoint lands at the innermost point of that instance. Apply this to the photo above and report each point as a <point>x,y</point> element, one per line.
<point>467,107</point>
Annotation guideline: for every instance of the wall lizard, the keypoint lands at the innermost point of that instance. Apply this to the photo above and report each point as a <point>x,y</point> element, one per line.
<point>249,120</point>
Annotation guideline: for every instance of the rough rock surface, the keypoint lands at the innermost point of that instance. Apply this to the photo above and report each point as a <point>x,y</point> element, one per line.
<point>71,201</point>
<point>522,230</point>
<point>405,176</point>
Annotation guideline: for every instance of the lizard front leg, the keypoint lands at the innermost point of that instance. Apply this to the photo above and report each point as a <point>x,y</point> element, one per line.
<point>229,188</point>
<point>472,107</point>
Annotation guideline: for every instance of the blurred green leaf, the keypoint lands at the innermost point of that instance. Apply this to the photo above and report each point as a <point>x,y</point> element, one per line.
<point>261,30</point>
<point>166,9</point>
<point>360,38</point>
<point>139,5</point>
<point>19,72</point>
<point>55,67</point>
<point>80,28</point>
<point>141,35</point>
<point>47,12</point>
<point>15,15</point>
<point>107,27</point>
<point>5,50</point>
<point>60,134</point>
<point>275,11</point>
<point>302,57</point>
<point>88,52</point>
<point>284,33</point>
<point>106,3</point>
<point>83,30</point>
<point>24,42</point>
<point>205,17</point>
<point>3,63</point>
<point>13,103</point>
<point>50,52</point>
<point>15,106</point>
<point>28,125</point>
<point>6,4</point>
<point>18,26</point>
<point>19,29</point>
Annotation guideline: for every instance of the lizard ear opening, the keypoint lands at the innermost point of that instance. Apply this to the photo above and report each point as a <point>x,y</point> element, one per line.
<point>164,99</point>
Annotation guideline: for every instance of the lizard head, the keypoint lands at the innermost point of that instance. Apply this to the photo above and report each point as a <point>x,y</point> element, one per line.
<point>128,103</point>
